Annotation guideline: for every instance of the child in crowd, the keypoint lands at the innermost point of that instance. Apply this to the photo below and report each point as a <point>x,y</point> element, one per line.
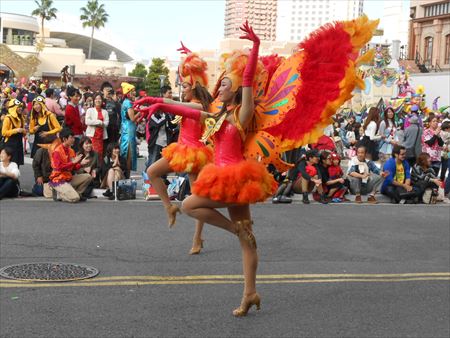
<point>338,189</point>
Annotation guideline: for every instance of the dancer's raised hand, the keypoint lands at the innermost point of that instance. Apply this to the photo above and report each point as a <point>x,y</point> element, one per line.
<point>183,49</point>
<point>249,33</point>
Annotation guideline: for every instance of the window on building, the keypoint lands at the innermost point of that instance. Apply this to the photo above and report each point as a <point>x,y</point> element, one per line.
<point>428,54</point>
<point>447,50</point>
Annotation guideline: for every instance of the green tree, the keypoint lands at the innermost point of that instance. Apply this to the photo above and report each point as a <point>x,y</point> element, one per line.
<point>46,12</point>
<point>153,83</point>
<point>139,71</point>
<point>94,16</point>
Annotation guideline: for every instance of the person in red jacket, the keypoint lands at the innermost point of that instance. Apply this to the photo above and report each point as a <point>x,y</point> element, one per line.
<point>65,185</point>
<point>72,116</point>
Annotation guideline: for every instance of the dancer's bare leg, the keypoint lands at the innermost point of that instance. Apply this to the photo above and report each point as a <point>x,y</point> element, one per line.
<point>249,253</point>
<point>197,241</point>
<point>155,172</point>
<point>204,210</point>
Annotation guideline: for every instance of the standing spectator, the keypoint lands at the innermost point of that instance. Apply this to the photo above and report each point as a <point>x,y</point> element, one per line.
<point>114,168</point>
<point>9,175</point>
<point>364,176</point>
<point>62,100</point>
<point>309,177</point>
<point>13,130</point>
<point>371,137</point>
<point>52,105</point>
<point>160,130</point>
<point>72,116</point>
<point>43,124</point>
<point>113,109</point>
<point>397,184</point>
<point>432,142</point>
<point>389,131</point>
<point>423,176</point>
<point>97,120</point>
<point>42,169</point>
<point>128,146</point>
<point>445,158</point>
<point>67,186</point>
<point>412,140</point>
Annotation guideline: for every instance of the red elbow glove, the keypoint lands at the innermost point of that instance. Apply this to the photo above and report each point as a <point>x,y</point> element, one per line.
<point>250,68</point>
<point>147,100</point>
<point>184,111</point>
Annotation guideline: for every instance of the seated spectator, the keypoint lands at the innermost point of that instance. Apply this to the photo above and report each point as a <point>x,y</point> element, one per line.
<point>65,185</point>
<point>91,167</point>
<point>114,168</point>
<point>309,177</point>
<point>423,176</point>
<point>336,182</point>
<point>9,175</point>
<point>364,176</point>
<point>397,184</point>
<point>42,169</point>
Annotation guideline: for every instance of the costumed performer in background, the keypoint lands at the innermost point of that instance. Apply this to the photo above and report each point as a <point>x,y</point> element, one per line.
<point>189,154</point>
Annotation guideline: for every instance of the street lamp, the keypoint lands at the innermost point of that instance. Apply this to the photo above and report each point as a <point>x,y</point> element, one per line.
<point>162,78</point>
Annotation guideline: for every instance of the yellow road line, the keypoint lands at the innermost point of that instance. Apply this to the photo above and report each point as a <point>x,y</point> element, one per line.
<point>198,282</point>
<point>240,277</point>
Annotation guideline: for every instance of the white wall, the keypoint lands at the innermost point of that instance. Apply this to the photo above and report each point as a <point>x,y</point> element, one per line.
<point>436,84</point>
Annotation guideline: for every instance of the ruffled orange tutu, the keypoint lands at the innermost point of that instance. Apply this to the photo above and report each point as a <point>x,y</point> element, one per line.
<point>245,182</point>
<point>188,159</point>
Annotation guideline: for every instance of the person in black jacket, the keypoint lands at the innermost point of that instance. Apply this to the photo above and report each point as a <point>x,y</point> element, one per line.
<point>161,131</point>
<point>309,176</point>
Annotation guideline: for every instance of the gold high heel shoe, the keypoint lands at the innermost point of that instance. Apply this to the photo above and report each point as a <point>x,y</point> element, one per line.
<point>246,303</point>
<point>244,231</point>
<point>196,248</point>
<point>172,214</point>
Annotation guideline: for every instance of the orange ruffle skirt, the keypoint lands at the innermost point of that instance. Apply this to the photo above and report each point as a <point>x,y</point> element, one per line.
<point>188,159</point>
<point>245,182</point>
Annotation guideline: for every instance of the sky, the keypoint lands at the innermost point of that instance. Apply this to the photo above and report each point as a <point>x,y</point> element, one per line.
<point>153,28</point>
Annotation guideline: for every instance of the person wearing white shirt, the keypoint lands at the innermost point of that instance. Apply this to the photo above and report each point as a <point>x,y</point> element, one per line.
<point>371,137</point>
<point>9,175</point>
<point>97,120</point>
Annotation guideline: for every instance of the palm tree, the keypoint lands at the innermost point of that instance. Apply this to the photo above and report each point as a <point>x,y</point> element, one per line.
<point>95,16</point>
<point>46,12</point>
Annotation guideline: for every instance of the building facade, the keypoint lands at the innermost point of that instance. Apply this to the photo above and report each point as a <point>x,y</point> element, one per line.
<point>261,15</point>
<point>429,34</point>
<point>19,35</point>
<point>297,18</point>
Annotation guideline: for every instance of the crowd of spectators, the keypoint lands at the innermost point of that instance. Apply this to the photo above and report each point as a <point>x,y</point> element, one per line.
<point>401,155</point>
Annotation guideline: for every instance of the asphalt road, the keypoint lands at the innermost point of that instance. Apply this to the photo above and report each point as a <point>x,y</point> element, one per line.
<point>325,271</point>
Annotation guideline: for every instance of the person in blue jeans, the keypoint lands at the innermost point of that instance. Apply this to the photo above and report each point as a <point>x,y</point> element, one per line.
<point>397,185</point>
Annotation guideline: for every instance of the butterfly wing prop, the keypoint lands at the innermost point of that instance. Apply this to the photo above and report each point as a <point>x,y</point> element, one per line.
<point>307,88</point>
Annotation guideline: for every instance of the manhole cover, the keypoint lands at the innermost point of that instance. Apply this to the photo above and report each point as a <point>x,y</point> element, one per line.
<point>48,272</point>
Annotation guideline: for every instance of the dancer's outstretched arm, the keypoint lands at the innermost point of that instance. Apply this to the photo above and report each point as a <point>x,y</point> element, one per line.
<point>247,109</point>
<point>148,100</point>
<point>180,110</point>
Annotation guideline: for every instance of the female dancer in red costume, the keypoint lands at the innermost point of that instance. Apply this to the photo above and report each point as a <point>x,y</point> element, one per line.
<point>188,154</point>
<point>327,62</point>
<point>232,182</point>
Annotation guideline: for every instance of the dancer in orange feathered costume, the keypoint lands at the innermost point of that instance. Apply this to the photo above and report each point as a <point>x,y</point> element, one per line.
<point>189,154</point>
<point>262,113</point>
